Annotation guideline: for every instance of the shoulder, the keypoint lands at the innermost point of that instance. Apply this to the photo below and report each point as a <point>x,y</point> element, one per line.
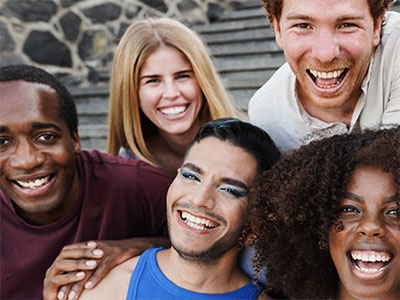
<point>115,285</point>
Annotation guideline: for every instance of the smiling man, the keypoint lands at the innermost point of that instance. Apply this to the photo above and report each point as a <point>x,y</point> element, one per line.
<point>206,209</point>
<point>53,194</point>
<point>342,71</point>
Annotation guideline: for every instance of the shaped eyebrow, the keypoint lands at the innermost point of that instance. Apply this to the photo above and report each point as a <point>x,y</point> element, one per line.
<point>359,199</point>
<point>44,125</point>
<point>227,180</point>
<point>156,75</point>
<point>4,129</point>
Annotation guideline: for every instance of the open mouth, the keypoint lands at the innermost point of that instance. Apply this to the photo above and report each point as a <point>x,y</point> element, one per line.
<point>34,184</point>
<point>370,262</point>
<point>197,222</point>
<point>327,80</point>
<point>174,111</point>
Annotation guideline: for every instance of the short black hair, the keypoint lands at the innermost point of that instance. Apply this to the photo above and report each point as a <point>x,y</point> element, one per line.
<point>28,73</point>
<point>250,138</point>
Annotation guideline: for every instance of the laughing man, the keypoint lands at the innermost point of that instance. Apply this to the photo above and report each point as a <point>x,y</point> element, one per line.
<point>342,71</point>
<point>206,210</point>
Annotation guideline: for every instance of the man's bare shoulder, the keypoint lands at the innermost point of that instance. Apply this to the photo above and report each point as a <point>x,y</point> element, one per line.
<point>114,285</point>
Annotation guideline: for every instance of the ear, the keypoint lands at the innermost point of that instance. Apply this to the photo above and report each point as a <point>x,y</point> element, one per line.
<point>277,30</point>
<point>377,31</point>
<point>76,141</point>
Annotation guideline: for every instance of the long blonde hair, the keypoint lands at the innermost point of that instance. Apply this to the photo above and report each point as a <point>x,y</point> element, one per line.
<point>128,126</point>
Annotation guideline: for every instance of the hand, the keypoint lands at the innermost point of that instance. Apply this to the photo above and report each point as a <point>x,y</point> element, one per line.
<point>84,265</point>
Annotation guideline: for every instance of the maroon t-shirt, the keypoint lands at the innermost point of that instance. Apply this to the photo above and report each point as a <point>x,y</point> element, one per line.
<point>119,198</point>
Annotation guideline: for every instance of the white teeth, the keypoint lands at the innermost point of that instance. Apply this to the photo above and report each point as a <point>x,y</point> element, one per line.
<point>196,222</point>
<point>34,184</point>
<point>365,270</point>
<point>172,111</point>
<point>357,255</point>
<point>325,75</point>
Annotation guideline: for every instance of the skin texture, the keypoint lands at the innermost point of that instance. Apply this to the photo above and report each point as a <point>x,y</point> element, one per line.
<point>369,215</point>
<point>34,143</point>
<point>167,81</point>
<point>326,37</point>
<point>206,186</point>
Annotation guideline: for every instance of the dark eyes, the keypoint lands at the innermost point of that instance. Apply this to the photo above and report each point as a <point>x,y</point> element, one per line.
<point>45,137</point>
<point>4,141</point>
<point>394,212</point>
<point>189,175</point>
<point>235,192</point>
<point>348,209</point>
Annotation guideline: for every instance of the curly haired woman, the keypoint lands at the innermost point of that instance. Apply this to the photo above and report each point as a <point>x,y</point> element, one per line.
<point>327,219</point>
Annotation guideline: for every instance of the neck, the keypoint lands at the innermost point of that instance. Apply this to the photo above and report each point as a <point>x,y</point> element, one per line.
<point>222,276</point>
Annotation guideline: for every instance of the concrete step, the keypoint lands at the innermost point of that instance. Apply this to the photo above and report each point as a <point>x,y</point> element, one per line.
<point>93,136</point>
<point>230,26</point>
<point>261,34</point>
<point>245,48</point>
<point>231,65</point>
<point>243,14</point>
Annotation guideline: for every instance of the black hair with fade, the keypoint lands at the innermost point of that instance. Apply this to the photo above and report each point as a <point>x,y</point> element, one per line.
<point>28,73</point>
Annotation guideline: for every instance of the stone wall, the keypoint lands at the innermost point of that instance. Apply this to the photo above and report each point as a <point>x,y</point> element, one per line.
<point>76,39</point>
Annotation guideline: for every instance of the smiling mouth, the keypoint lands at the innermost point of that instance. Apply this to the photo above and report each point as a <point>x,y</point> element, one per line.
<point>173,111</point>
<point>327,80</point>
<point>33,184</point>
<point>197,222</point>
<point>370,262</point>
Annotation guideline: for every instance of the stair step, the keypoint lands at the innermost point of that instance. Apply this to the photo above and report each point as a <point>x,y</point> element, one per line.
<point>230,26</point>
<point>261,34</point>
<point>249,64</point>
<point>243,14</point>
<point>248,48</point>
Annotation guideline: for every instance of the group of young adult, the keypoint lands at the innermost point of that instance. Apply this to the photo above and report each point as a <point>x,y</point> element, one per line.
<point>324,218</point>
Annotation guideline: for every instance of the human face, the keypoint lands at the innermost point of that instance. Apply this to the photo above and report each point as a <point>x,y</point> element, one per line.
<point>37,162</point>
<point>328,45</point>
<point>366,252</point>
<point>169,94</point>
<point>207,201</point>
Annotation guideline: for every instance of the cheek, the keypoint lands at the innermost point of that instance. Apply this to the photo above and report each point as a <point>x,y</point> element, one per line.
<point>148,98</point>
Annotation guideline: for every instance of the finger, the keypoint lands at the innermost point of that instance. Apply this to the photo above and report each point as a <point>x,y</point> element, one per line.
<point>80,253</point>
<point>78,287</point>
<point>103,268</point>
<point>63,292</point>
<point>71,265</point>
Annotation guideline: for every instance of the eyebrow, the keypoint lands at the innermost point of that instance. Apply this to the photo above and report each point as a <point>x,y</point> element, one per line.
<point>308,18</point>
<point>156,75</point>
<point>356,198</point>
<point>44,125</point>
<point>226,180</point>
<point>4,129</point>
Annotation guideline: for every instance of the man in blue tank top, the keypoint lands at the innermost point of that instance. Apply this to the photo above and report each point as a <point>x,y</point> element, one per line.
<point>207,211</point>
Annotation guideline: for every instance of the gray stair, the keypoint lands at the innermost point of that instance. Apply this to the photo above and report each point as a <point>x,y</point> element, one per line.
<point>244,51</point>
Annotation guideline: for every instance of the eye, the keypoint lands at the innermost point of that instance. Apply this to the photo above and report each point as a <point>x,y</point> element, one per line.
<point>183,76</point>
<point>235,192</point>
<point>46,137</point>
<point>347,25</point>
<point>189,175</point>
<point>4,141</point>
<point>348,210</point>
<point>394,212</point>
<point>303,26</point>
<point>153,80</point>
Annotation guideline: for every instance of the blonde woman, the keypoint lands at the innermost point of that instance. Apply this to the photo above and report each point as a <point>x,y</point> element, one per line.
<point>164,86</point>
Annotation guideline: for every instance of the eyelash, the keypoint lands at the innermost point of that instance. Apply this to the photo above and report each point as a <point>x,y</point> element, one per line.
<point>347,208</point>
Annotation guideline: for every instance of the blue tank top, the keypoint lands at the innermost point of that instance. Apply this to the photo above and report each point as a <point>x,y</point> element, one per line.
<point>148,282</point>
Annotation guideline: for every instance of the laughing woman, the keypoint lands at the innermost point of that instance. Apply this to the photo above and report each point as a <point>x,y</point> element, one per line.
<point>163,87</point>
<point>327,219</point>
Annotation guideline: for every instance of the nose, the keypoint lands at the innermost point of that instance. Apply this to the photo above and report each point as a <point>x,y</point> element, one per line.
<point>203,196</point>
<point>26,156</point>
<point>371,226</point>
<point>326,46</point>
<point>171,90</point>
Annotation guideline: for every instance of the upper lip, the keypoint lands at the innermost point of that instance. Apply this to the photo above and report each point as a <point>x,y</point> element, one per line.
<point>174,105</point>
<point>371,247</point>
<point>30,177</point>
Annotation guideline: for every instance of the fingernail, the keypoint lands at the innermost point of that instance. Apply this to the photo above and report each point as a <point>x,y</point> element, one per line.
<point>71,295</point>
<point>98,252</point>
<point>91,244</point>
<point>90,263</point>
<point>80,275</point>
<point>60,295</point>
<point>88,285</point>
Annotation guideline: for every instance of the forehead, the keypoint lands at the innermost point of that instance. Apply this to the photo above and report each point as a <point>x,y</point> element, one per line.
<point>223,159</point>
<point>165,54</point>
<point>22,101</point>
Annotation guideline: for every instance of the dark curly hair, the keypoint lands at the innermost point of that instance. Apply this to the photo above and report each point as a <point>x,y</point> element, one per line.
<point>28,73</point>
<point>295,204</point>
<point>376,8</point>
